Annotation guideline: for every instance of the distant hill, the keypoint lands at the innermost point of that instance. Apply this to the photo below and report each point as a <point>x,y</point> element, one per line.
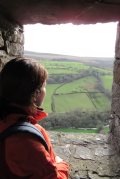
<point>102,62</point>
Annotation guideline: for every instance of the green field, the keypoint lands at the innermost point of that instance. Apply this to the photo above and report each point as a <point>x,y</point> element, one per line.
<point>85,131</point>
<point>86,90</point>
<point>101,102</point>
<point>70,130</point>
<point>70,102</point>
<point>107,80</point>
<point>80,85</point>
<point>50,90</point>
<point>60,67</point>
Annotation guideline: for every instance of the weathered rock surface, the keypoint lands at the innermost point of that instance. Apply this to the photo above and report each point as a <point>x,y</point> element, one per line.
<point>61,11</point>
<point>1,40</point>
<point>90,155</point>
<point>11,43</point>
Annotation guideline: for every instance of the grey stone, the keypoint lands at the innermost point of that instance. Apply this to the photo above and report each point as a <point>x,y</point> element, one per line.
<point>16,37</point>
<point>91,157</point>
<point>115,105</point>
<point>63,151</point>
<point>3,53</point>
<point>83,152</point>
<point>104,170</point>
<point>14,49</point>
<point>1,40</point>
<point>115,90</point>
<point>103,151</point>
<point>96,176</point>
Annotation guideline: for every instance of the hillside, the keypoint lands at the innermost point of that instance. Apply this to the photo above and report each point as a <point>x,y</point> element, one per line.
<point>103,62</point>
<point>76,83</point>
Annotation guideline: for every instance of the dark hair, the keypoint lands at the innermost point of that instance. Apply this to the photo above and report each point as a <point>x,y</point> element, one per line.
<point>20,78</point>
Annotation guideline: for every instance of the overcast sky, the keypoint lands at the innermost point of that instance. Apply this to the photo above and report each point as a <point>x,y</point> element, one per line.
<point>83,40</point>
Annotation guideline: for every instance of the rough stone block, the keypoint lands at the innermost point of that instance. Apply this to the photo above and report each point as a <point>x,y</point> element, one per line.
<point>104,151</point>
<point>3,53</point>
<point>96,176</point>
<point>14,49</point>
<point>116,106</point>
<point>1,40</point>
<point>83,153</point>
<point>90,157</point>
<point>16,37</point>
<point>117,72</point>
<point>115,90</point>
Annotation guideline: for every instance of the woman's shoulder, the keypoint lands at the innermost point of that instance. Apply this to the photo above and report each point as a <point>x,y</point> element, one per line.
<point>43,131</point>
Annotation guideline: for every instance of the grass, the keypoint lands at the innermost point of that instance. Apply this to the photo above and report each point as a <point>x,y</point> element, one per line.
<point>61,71</point>
<point>70,130</point>
<point>101,101</point>
<point>64,101</point>
<point>83,131</point>
<point>102,70</point>
<point>80,85</point>
<point>70,102</point>
<point>63,67</point>
<point>106,130</point>
<point>107,81</point>
<point>47,102</point>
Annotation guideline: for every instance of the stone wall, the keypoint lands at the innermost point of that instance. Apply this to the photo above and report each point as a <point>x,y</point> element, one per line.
<point>11,40</point>
<point>115,108</point>
<point>90,155</point>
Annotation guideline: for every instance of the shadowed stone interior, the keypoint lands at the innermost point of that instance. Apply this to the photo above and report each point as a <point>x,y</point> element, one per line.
<point>90,156</point>
<point>60,11</point>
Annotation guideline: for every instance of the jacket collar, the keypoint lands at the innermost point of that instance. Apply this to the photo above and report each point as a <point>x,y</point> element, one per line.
<point>33,115</point>
<point>38,115</point>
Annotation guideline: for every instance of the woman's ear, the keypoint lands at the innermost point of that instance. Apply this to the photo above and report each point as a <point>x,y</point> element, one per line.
<point>36,96</point>
<point>39,95</point>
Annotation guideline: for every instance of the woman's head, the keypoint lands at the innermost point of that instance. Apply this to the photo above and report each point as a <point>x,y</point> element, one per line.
<point>21,80</point>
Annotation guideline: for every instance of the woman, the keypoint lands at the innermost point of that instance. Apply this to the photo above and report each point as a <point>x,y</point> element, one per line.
<point>22,91</point>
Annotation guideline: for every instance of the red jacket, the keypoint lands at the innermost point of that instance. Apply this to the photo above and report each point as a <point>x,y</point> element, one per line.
<point>26,157</point>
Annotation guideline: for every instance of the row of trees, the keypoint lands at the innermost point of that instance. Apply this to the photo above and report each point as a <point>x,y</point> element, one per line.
<point>76,119</point>
<point>65,78</point>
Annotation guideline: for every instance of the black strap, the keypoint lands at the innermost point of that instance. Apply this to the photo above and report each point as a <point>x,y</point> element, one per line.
<point>23,127</point>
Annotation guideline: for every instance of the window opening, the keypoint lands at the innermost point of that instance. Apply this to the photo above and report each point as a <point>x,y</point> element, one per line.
<point>79,59</point>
